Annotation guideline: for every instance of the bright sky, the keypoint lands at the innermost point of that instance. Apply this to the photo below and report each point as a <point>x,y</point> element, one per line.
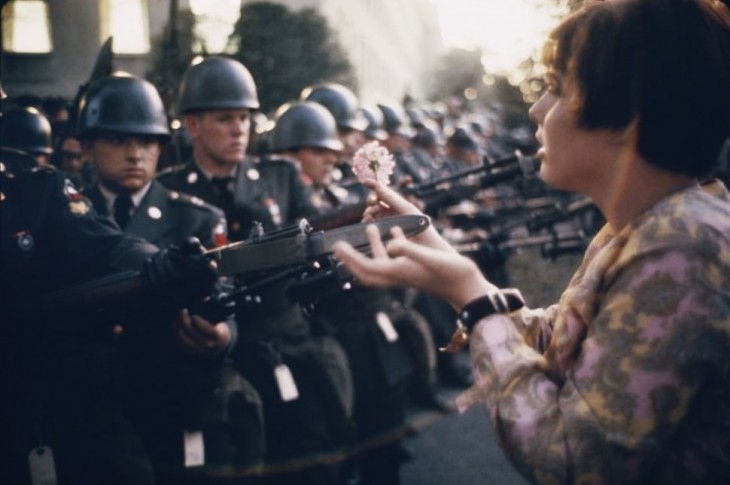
<point>508,31</point>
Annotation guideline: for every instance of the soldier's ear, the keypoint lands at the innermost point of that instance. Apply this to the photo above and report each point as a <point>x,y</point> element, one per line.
<point>192,124</point>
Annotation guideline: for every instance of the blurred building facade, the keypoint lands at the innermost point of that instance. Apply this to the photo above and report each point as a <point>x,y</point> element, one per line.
<point>51,47</point>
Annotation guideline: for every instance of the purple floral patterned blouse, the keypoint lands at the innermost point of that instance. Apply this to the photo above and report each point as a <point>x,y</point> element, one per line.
<point>627,378</point>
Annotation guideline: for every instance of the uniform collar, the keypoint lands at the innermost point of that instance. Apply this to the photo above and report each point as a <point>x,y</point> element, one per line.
<point>110,197</point>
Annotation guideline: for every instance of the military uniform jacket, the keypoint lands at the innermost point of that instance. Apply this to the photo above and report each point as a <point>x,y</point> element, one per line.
<point>54,373</point>
<point>166,217</point>
<point>268,192</point>
<point>166,390</point>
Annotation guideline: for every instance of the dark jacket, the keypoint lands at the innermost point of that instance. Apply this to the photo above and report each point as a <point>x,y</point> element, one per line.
<point>55,371</point>
<point>268,192</point>
<point>166,217</point>
<point>167,391</point>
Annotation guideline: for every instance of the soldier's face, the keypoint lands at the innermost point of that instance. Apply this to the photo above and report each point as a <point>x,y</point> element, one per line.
<point>219,137</point>
<point>72,160</point>
<point>317,164</point>
<point>125,163</point>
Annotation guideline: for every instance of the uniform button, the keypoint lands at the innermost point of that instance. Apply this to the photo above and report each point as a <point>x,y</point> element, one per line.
<point>118,330</point>
<point>154,212</point>
<point>236,226</point>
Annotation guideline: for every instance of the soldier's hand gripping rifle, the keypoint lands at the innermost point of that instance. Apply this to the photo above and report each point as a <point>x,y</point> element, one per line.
<point>180,277</point>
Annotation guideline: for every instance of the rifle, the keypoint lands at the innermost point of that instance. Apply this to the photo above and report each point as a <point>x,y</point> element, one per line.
<point>489,174</point>
<point>293,252</point>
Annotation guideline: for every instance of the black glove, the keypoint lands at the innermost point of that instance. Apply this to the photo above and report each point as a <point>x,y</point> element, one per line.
<point>179,276</point>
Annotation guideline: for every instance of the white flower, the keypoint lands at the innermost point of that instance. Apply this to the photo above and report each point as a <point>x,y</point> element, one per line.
<point>373,162</point>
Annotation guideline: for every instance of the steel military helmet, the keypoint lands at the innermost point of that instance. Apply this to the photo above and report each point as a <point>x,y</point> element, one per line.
<point>463,139</point>
<point>427,136</point>
<point>27,130</point>
<point>374,117</point>
<point>395,121</point>
<point>305,124</point>
<point>217,83</point>
<point>122,104</point>
<point>340,101</point>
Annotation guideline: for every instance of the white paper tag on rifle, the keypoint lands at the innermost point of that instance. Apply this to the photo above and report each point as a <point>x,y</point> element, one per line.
<point>194,448</point>
<point>42,466</point>
<point>386,326</point>
<point>285,380</point>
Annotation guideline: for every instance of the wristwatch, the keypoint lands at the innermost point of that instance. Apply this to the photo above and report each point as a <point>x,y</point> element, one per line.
<point>504,301</point>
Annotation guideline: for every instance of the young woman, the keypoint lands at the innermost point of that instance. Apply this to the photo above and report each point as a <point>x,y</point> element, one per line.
<point>627,378</point>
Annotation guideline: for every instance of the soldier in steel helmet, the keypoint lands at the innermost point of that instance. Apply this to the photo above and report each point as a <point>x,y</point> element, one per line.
<point>371,325</point>
<point>216,98</point>
<point>303,411</point>
<point>399,142</point>
<point>171,375</point>
<point>60,413</point>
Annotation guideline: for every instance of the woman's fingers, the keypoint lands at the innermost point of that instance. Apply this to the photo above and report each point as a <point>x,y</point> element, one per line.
<point>376,244</point>
<point>369,271</point>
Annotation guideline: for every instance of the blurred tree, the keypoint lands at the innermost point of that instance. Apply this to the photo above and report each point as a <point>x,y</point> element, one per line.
<point>458,70</point>
<point>287,51</point>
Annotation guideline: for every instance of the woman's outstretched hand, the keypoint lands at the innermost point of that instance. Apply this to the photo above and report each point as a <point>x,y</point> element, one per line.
<point>384,202</point>
<point>431,268</point>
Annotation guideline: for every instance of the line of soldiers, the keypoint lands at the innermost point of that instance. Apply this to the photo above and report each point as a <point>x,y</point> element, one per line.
<point>278,391</point>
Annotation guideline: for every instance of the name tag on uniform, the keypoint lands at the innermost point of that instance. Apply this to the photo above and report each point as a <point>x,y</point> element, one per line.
<point>386,326</point>
<point>285,380</point>
<point>42,466</point>
<point>194,448</point>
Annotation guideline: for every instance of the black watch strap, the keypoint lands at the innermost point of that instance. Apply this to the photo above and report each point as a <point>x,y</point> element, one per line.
<point>506,300</point>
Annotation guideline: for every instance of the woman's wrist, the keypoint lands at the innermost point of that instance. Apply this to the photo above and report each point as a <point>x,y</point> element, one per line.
<point>473,287</point>
<point>501,301</point>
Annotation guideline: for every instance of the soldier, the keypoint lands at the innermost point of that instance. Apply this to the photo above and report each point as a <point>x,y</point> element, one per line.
<point>59,414</point>
<point>303,411</point>
<point>462,148</point>
<point>408,169</point>
<point>122,126</point>
<point>366,322</point>
<point>217,96</point>
<point>351,124</point>
<point>69,158</point>
<point>306,133</point>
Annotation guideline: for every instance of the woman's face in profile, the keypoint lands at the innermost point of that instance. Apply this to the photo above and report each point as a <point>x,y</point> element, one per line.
<point>573,158</point>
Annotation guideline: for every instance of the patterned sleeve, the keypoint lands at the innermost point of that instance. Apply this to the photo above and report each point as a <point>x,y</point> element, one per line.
<point>608,407</point>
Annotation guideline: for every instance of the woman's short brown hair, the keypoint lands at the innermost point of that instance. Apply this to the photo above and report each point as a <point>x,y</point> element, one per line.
<point>665,63</point>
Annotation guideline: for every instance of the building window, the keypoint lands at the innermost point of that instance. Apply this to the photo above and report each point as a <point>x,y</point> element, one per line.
<point>26,27</point>
<point>128,23</point>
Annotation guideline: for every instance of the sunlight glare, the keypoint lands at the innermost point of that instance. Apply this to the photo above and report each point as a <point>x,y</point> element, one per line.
<point>507,31</point>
